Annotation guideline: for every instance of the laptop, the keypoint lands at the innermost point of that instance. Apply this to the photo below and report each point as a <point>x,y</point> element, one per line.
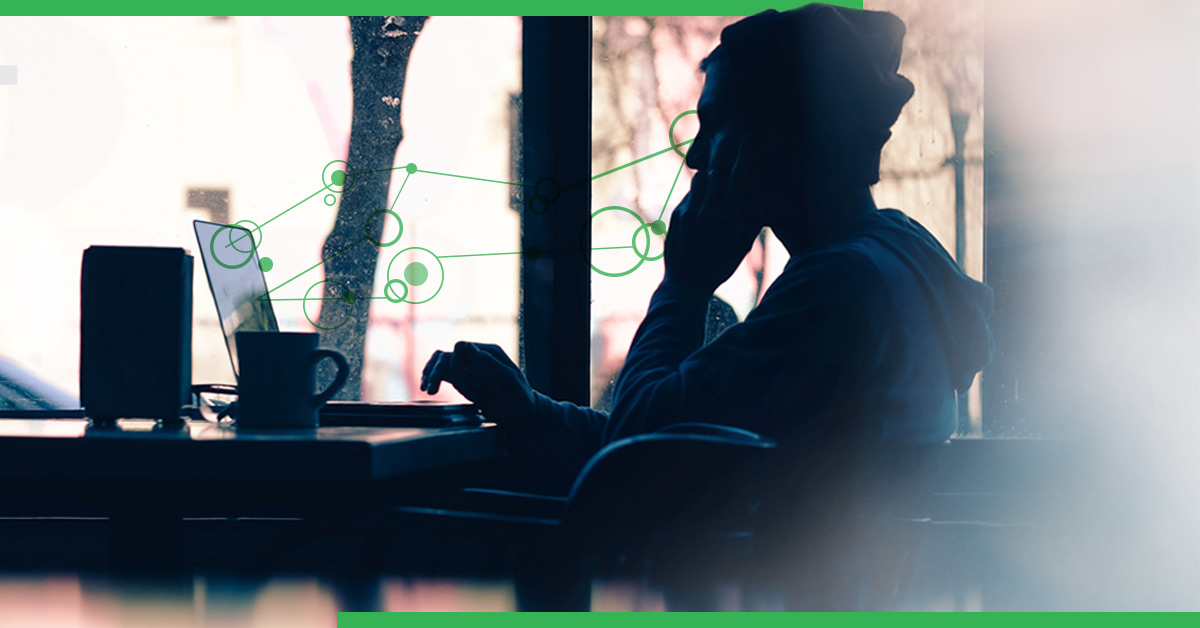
<point>239,290</point>
<point>236,282</point>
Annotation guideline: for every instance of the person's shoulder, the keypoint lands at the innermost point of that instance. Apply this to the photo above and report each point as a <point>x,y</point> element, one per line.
<point>841,261</point>
<point>841,273</point>
<point>861,250</point>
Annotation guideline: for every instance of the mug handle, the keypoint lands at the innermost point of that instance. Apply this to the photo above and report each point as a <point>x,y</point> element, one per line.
<point>339,380</point>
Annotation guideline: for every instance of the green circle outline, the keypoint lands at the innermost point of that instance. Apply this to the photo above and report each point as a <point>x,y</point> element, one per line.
<point>587,227</point>
<point>367,228</point>
<point>255,244</point>
<point>327,178</point>
<point>671,133</point>
<point>304,305</point>
<point>212,249</point>
<point>529,204</point>
<point>441,268</point>
<point>329,200</point>
<point>387,296</point>
<point>557,189</point>
<point>646,226</point>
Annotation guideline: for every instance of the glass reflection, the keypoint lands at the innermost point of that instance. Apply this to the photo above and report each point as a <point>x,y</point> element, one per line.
<point>52,428</point>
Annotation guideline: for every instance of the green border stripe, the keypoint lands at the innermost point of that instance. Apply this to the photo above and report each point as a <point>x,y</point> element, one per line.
<point>769,620</point>
<point>378,7</point>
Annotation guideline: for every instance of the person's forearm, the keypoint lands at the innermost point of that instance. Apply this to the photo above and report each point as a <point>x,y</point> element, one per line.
<point>571,427</point>
<point>672,330</point>
<point>561,430</point>
<point>649,392</point>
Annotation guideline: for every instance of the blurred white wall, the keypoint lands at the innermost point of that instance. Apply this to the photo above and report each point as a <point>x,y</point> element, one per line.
<point>115,118</point>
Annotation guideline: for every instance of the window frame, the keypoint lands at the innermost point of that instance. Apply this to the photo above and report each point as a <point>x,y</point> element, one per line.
<point>554,322</point>
<point>555,300</point>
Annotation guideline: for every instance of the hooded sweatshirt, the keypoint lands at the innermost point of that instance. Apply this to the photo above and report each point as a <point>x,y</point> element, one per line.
<point>865,338</point>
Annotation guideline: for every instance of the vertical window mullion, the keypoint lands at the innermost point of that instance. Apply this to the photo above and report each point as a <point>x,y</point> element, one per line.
<point>556,166</point>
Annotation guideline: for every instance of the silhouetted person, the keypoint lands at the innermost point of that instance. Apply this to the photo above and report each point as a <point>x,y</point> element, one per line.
<point>721,316</point>
<point>870,329</point>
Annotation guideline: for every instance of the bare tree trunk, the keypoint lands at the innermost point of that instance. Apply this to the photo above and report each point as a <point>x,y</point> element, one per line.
<point>382,46</point>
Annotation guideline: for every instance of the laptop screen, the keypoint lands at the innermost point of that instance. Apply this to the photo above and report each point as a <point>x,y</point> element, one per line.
<point>237,283</point>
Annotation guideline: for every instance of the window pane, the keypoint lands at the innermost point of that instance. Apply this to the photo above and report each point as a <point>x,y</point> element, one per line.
<point>645,74</point>
<point>459,119</point>
<point>127,129</point>
<point>932,167</point>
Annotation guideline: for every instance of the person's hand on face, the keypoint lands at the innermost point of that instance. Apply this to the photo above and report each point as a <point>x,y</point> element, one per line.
<point>714,226</point>
<point>484,374</point>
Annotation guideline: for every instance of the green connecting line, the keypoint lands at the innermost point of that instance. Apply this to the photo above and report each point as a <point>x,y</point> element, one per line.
<point>634,162</point>
<point>459,176</point>
<point>522,185</point>
<point>411,168</point>
<point>344,249</point>
<point>477,254</point>
<point>324,299</point>
<point>247,235</point>
<point>290,208</point>
<point>393,207</point>
<point>358,172</point>
<point>668,201</point>
<point>598,248</point>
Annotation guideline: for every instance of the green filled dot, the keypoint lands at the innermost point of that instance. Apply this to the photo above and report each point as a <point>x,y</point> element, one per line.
<point>416,273</point>
<point>266,264</point>
<point>338,177</point>
<point>658,227</point>
<point>411,168</point>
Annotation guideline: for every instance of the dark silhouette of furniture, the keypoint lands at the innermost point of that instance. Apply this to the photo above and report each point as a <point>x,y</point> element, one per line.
<point>834,527</point>
<point>142,479</point>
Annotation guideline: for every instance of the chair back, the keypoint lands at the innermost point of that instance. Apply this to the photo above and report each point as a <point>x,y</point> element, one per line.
<point>671,489</point>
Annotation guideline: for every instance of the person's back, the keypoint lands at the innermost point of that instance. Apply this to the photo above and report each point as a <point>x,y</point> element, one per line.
<point>937,333</point>
<point>866,337</point>
<point>867,333</point>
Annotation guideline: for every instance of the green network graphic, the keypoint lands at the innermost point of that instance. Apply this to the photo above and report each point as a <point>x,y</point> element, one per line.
<point>411,281</point>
